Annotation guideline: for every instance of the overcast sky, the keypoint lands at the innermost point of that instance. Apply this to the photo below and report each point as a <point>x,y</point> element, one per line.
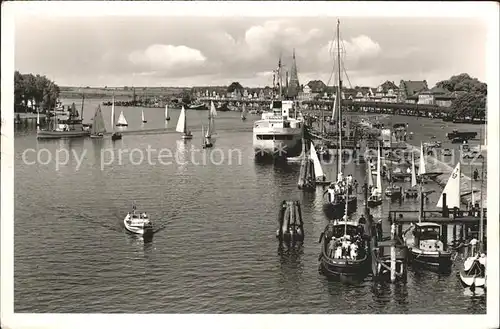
<point>184,51</point>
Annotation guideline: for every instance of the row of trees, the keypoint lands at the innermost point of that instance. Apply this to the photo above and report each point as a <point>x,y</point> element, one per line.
<point>471,95</point>
<point>38,90</point>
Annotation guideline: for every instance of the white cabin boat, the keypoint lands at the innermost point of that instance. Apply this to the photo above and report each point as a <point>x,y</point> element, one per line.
<point>138,223</point>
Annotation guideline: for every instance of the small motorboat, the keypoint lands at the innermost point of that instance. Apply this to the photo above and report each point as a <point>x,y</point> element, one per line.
<point>138,223</point>
<point>116,136</point>
<point>374,200</point>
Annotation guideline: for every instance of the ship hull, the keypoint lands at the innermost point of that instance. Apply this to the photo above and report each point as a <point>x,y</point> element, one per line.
<point>431,259</point>
<point>335,268</point>
<point>337,210</point>
<point>278,148</point>
<point>61,134</point>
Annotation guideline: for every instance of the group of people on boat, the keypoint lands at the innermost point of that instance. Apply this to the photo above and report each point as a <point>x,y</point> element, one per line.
<point>344,247</point>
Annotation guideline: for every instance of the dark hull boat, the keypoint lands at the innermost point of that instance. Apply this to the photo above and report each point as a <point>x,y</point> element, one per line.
<point>336,209</point>
<point>343,251</point>
<point>116,136</point>
<point>374,201</point>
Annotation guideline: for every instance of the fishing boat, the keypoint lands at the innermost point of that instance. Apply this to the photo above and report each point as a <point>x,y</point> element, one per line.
<point>142,117</point>
<point>98,128</point>
<point>138,223</point>
<point>167,117</point>
<point>70,127</point>
<point>208,140</point>
<point>318,170</point>
<point>244,113</point>
<point>182,126</point>
<point>122,122</point>
<point>344,252</point>
<point>340,196</point>
<point>375,199</point>
<point>116,135</point>
<point>426,248</point>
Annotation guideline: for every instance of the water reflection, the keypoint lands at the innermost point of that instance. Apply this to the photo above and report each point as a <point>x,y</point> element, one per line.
<point>291,269</point>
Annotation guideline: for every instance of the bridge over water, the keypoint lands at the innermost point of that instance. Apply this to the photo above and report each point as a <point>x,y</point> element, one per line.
<point>316,106</point>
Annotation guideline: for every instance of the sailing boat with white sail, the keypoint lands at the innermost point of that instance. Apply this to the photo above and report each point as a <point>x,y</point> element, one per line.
<point>115,135</point>
<point>122,122</point>
<point>318,169</point>
<point>452,190</point>
<point>412,192</point>
<point>473,273</point>
<point>244,113</point>
<point>98,128</point>
<point>142,117</point>
<point>375,199</point>
<point>182,126</point>
<point>167,117</point>
<point>208,139</point>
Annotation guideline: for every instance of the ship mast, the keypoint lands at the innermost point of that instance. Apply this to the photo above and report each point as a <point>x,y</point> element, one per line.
<point>481,216</point>
<point>339,97</point>
<point>279,78</point>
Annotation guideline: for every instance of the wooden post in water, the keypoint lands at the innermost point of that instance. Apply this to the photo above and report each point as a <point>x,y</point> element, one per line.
<point>393,251</point>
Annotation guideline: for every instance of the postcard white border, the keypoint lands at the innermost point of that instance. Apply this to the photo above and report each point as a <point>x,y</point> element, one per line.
<point>484,10</point>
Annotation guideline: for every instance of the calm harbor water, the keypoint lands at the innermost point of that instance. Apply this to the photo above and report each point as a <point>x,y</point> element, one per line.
<point>216,250</point>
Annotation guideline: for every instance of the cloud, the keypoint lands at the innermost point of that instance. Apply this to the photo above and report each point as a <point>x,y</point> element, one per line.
<point>354,50</point>
<point>167,57</point>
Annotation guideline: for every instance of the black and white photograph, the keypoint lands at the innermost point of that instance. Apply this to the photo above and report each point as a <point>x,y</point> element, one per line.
<point>259,159</point>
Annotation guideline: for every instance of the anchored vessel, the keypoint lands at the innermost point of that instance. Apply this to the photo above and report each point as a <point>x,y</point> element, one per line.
<point>279,132</point>
<point>70,127</point>
<point>138,223</point>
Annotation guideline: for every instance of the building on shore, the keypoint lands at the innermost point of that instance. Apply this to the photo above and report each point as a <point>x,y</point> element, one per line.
<point>409,88</point>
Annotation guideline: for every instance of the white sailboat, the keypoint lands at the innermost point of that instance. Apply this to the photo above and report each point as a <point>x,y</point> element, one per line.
<point>421,167</point>
<point>412,192</point>
<point>318,170</point>
<point>115,135</point>
<point>182,125</point>
<point>452,190</point>
<point>142,117</point>
<point>167,117</point>
<point>208,139</point>
<point>122,122</point>
<point>375,199</point>
<point>98,127</point>
<point>244,112</point>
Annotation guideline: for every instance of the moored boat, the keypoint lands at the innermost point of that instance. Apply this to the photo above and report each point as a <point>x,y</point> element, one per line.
<point>426,248</point>
<point>72,127</point>
<point>473,272</point>
<point>344,252</point>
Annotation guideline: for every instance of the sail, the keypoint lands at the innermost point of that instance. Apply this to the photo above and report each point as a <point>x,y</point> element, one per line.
<point>98,122</point>
<point>142,116</point>
<point>334,109</point>
<point>244,111</point>
<point>213,111</point>
<point>166,112</point>
<point>181,124</point>
<point>379,178</point>
<point>317,165</point>
<point>370,176</point>
<point>421,167</point>
<point>113,114</point>
<point>413,173</point>
<point>452,190</point>
<point>202,132</point>
<point>121,119</point>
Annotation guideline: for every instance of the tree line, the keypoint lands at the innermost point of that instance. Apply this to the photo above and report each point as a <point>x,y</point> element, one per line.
<point>471,98</point>
<point>38,90</point>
